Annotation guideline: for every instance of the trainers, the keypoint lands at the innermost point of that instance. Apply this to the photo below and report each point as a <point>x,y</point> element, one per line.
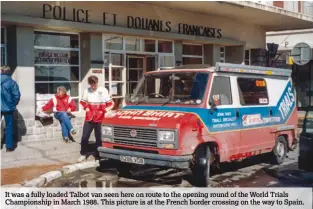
<point>73,132</point>
<point>82,158</point>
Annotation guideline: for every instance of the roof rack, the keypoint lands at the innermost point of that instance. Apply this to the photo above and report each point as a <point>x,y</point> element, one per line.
<point>237,68</point>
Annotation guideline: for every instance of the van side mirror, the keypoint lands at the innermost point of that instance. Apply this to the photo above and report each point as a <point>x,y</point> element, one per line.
<point>214,101</point>
<point>212,106</point>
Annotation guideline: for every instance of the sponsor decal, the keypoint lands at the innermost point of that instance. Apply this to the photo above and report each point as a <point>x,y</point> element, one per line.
<point>250,120</point>
<point>286,103</point>
<point>256,119</point>
<point>263,100</point>
<point>146,115</point>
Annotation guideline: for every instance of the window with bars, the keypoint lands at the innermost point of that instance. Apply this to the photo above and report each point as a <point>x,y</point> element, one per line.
<point>56,64</point>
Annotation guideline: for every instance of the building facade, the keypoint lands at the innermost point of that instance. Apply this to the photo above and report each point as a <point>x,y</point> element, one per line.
<point>48,44</point>
<point>302,74</point>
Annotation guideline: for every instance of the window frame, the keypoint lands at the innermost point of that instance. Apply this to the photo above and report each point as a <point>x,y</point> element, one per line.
<point>223,58</point>
<point>230,88</point>
<point>193,56</point>
<point>4,45</point>
<point>78,97</point>
<point>248,60</point>
<point>238,87</point>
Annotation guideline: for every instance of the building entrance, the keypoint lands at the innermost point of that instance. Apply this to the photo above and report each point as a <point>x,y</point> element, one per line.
<point>137,65</point>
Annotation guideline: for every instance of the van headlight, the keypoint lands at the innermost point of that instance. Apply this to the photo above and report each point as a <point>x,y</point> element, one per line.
<point>168,136</point>
<point>107,131</point>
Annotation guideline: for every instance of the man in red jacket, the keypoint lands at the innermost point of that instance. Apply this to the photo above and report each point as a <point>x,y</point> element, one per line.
<point>96,101</point>
<point>62,104</point>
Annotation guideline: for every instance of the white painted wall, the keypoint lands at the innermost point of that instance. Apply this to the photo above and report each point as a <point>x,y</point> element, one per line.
<point>288,39</point>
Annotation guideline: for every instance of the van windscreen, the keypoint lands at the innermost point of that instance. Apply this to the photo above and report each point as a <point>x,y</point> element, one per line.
<point>175,88</point>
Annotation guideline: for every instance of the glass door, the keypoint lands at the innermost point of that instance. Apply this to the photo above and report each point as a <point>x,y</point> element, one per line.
<point>115,77</point>
<point>135,69</point>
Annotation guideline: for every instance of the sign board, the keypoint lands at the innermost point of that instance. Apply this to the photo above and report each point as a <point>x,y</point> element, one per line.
<point>301,53</point>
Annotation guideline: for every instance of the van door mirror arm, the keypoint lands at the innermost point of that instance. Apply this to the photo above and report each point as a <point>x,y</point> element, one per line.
<point>212,107</point>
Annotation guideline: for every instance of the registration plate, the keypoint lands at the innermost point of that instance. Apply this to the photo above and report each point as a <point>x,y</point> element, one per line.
<point>135,160</point>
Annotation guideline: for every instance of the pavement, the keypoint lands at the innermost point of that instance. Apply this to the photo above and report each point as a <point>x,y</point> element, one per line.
<point>31,159</point>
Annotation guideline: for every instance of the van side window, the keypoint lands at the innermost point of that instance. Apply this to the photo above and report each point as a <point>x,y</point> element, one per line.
<point>221,87</point>
<point>252,91</point>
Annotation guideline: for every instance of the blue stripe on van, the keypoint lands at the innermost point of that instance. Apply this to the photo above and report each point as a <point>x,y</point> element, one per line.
<point>225,119</point>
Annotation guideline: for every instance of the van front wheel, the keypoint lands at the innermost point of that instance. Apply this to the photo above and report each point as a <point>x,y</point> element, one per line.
<point>280,150</point>
<point>201,168</point>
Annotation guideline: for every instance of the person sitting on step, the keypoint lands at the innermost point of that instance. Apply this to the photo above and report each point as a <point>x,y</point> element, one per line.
<point>62,105</point>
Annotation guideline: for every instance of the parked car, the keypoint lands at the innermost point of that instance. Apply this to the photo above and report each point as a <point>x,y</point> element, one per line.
<point>195,117</point>
<point>305,160</point>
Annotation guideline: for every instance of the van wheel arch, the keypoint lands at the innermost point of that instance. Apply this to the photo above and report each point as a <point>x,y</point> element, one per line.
<point>285,136</point>
<point>215,158</point>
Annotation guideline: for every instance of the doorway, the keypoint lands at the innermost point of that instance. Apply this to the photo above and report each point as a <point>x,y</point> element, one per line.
<point>136,66</point>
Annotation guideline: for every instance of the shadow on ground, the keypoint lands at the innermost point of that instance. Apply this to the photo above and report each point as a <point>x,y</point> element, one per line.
<point>147,176</point>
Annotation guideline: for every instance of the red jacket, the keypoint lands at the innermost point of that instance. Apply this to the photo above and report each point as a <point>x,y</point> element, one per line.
<point>97,102</point>
<point>60,104</point>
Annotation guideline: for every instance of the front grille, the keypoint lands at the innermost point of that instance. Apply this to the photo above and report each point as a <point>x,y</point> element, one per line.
<point>145,137</point>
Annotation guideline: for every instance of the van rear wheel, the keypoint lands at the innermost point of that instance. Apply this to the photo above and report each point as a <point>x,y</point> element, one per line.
<point>280,150</point>
<point>201,169</point>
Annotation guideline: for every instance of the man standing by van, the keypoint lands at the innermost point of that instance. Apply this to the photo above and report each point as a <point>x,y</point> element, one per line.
<point>10,97</point>
<point>96,101</point>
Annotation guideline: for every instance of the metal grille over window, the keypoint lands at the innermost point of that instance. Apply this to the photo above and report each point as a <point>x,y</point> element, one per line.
<point>56,64</point>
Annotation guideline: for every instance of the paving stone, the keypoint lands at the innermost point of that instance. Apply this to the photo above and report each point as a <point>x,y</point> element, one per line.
<point>29,131</point>
<point>30,123</point>
<point>38,124</point>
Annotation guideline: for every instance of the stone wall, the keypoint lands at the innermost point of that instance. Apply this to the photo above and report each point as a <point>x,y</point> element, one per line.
<point>34,130</point>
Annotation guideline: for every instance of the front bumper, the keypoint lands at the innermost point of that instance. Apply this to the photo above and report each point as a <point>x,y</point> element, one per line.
<point>180,162</point>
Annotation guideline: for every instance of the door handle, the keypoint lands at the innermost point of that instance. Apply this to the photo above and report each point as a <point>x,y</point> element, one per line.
<point>237,113</point>
<point>271,111</point>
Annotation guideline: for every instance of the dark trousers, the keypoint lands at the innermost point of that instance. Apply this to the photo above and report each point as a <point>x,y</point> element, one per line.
<point>87,129</point>
<point>9,129</point>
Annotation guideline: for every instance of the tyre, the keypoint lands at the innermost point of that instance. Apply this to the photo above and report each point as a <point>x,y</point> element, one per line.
<point>201,169</point>
<point>280,150</point>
